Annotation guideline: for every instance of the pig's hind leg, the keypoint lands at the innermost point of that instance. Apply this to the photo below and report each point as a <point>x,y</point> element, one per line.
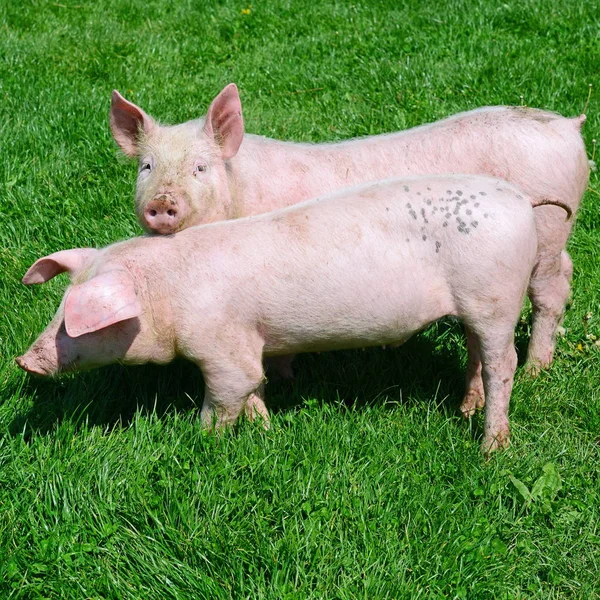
<point>498,364</point>
<point>549,291</point>
<point>474,398</point>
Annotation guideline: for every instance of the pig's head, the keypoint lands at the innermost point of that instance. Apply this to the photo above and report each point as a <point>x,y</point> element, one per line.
<point>97,322</point>
<point>182,175</point>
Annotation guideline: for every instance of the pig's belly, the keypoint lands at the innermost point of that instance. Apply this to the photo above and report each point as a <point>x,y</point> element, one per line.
<point>370,320</point>
<point>341,342</point>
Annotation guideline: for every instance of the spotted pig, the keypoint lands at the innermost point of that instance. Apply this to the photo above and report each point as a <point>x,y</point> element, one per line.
<point>366,266</point>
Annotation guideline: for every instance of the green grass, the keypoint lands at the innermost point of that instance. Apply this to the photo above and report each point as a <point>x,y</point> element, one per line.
<point>368,485</point>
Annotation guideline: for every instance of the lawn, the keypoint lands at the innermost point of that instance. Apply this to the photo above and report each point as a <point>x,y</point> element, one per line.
<point>368,485</point>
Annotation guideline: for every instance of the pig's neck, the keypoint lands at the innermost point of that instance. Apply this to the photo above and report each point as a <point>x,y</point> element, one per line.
<point>270,174</point>
<point>147,260</point>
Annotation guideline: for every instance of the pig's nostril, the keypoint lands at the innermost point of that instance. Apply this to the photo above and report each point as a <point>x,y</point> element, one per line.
<point>152,212</point>
<point>171,212</point>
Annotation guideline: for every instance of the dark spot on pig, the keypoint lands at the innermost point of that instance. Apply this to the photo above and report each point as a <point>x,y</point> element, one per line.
<point>474,223</point>
<point>418,193</point>
<point>435,208</point>
<point>407,241</point>
<point>498,189</point>
<point>469,211</point>
<point>448,215</point>
<point>482,194</point>
<point>408,205</point>
<point>425,221</point>
<point>445,224</point>
<point>455,199</point>
<point>459,192</point>
<point>387,208</point>
<point>472,196</point>
<point>476,203</point>
<point>485,215</point>
<point>449,192</point>
<point>437,246</point>
<point>456,210</point>
<point>406,188</point>
<point>413,214</point>
<point>428,202</point>
<point>424,237</point>
<point>464,201</point>
<point>519,197</point>
<point>423,212</point>
<point>428,189</point>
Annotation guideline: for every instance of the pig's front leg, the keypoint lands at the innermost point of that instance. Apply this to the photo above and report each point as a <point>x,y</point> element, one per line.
<point>255,407</point>
<point>499,361</point>
<point>232,387</point>
<point>474,398</point>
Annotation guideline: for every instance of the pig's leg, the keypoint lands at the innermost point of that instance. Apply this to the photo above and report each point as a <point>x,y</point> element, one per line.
<point>566,266</point>
<point>234,382</point>
<point>499,361</point>
<point>549,291</point>
<point>474,393</point>
<point>282,365</point>
<point>255,406</point>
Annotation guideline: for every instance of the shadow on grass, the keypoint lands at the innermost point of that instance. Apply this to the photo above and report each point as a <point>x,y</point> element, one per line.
<point>430,365</point>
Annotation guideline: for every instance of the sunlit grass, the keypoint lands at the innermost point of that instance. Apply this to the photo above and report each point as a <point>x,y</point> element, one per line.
<point>367,485</point>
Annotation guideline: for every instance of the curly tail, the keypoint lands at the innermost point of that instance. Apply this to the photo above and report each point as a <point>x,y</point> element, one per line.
<point>552,202</point>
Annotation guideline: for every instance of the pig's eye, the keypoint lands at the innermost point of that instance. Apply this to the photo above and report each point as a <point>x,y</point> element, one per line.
<point>146,166</point>
<point>199,169</point>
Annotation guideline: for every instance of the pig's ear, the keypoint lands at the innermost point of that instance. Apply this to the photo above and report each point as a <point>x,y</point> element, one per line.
<point>126,122</point>
<point>50,266</point>
<point>101,301</point>
<point>224,121</point>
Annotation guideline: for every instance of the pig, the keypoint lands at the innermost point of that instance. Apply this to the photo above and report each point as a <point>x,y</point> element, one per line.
<point>208,170</point>
<point>367,266</point>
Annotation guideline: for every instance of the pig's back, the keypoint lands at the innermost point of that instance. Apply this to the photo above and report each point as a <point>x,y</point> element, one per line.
<point>540,151</point>
<point>369,265</point>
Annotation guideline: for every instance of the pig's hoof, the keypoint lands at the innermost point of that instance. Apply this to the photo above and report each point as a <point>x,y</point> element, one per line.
<point>472,402</point>
<point>256,409</point>
<point>499,441</point>
<point>212,423</point>
<point>537,362</point>
<point>534,367</point>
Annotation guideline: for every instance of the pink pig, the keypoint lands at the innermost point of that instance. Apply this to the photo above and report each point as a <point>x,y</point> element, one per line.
<point>366,266</point>
<point>207,170</point>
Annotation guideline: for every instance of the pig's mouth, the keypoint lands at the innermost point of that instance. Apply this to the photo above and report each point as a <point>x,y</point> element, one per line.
<point>163,230</point>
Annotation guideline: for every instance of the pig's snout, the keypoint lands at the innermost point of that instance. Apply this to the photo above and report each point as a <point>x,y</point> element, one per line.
<point>31,366</point>
<point>42,358</point>
<point>163,215</point>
